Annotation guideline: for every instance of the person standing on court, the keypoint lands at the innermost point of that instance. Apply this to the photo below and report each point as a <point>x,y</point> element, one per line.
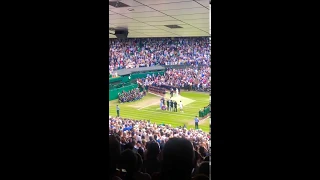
<point>171,105</point>
<point>118,111</point>
<point>181,107</point>
<point>167,104</point>
<point>175,106</point>
<point>196,121</point>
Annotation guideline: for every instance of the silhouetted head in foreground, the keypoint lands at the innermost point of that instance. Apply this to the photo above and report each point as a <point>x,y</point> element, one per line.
<point>204,168</point>
<point>178,156</point>
<point>128,161</point>
<point>114,153</point>
<point>153,151</point>
<point>200,177</point>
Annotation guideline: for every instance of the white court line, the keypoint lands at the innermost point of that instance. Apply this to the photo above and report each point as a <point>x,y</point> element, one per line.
<point>154,94</point>
<point>151,103</point>
<point>167,112</point>
<point>177,107</point>
<point>205,119</point>
<point>148,106</point>
<point>188,105</point>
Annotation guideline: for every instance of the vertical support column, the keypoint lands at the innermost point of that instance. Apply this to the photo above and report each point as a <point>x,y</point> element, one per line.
<point>210,19</point>
<point>210,28</point>
<point>210,108</point>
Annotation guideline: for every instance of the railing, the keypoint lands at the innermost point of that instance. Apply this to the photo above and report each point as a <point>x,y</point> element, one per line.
<point>157,90</point>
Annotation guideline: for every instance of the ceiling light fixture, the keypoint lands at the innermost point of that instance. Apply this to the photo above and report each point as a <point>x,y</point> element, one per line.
<point>130,9</point>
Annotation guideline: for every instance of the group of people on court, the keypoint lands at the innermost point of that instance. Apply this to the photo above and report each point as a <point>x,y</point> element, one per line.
<point>170,105</point>
<point>172,91</point>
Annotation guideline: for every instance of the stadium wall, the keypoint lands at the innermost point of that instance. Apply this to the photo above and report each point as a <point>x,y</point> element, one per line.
<point>123,72</point>
<point>183,66</point>
<point>114,80</point>
<point>113,92</point>
<point>144,75</point>
<point>125,79</point>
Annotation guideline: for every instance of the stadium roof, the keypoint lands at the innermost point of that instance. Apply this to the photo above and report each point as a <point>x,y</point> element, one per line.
<point>150,18</point>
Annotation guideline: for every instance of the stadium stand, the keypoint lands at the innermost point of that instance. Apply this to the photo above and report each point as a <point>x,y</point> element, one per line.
<point>188,79</point>
<point>146,52</point>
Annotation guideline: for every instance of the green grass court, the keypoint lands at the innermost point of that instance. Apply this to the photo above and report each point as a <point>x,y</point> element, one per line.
<point>148,108</point>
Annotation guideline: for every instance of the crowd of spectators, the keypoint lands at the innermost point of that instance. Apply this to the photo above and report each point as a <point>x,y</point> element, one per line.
<point>146,52</point>
<point>140,149</point>
<point>131,95</point>
<point>188,78</point>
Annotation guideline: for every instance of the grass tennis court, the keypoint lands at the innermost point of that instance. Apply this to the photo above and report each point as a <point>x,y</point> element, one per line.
<point>148,108</point>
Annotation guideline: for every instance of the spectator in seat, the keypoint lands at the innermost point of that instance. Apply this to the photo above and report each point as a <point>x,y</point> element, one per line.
<point>161,144</point>
<point>206,159</point>
<point>129,146</point>
<point>128,161</point>
<point>204,168</point>
<point>152,163</point>
<point>141,152</point>
<point>138,175</point>
<point>200,177</point>
<point>197,160</point>
<point>178,160</point>
<point>114,155</point>
<point>150,140</point>
<point>202,151</point>
<point>156,138</point>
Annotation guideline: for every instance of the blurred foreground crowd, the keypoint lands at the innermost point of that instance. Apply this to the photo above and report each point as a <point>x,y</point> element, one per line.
<point>139,149</point>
